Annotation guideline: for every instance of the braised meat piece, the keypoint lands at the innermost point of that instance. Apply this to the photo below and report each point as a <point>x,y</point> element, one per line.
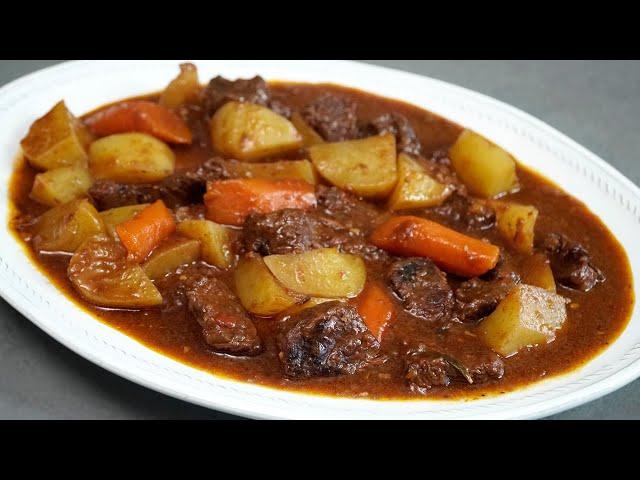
<point>287,231</point>
<point>426,368</point>
<point>422,288</point>
<point>406,139</point>
<point>346,208</point>
<point>220,91</point>
<point>571,263</point>
<point>325,340</point>
<point>477,298</point>
<point>225,325</point>
<point>332,117</point>
<point>181,188</point>
<point>463,212</point>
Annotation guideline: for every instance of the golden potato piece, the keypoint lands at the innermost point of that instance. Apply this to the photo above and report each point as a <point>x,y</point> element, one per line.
<point>415,188</point>
<point>101,273</point>
<point>131,158</point>
<point>366,167</point>
<point>118,215</point>
<point>282,170</point>
<point>323,272</point>
<point>170,255</point>
<point>528,316</point>
<point>61,185</point>
<point>258,290</point>
<point>65,227</point>
<point>309,136</point>
<point>537,272</point>
<point>248,132</point>
<point>516,223</point>
<point>58,139</point>
<point>185,88</point>
<point>214,240</point>
<point>486,169</point>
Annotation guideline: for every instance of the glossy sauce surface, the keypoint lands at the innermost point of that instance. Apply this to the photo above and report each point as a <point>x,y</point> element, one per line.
<point>595,318</point>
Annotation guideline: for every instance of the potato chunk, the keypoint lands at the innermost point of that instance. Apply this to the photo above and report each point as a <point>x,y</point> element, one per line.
<point>323,272</point>
<point>527,316</point>
<point>516,223</point>
<point>486,169</point>
<point>415,188</point>
<point>61,185</point>
<point>101,274</point>
<point>283,170</point>
<point>65,227</point>
<point>131,158</point>
<point>366,167</point>
<point>58,139</point>
<point>170,255</point>
<point>248,132</point>
<point>118,215</point>
<point>258,290</point>
<point>185,88</point>
<point>214,239</point>
<point>309,136</point>
<point>537,272</point>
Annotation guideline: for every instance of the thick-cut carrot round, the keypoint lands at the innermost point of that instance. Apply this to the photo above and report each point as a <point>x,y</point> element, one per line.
<point>230,201</point>
<point>452,251</point>
<point>144,232</point>
<point>375,307</point>
<point>140,116</point>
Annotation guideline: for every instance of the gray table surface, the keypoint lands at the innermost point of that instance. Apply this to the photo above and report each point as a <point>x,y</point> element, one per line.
<point>597,103</point>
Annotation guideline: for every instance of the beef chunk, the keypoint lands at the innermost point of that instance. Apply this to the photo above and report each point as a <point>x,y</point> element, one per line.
<point>108,194</point>
<point>220,91</point>
<point>477,298</point>
<point>571,263</point>
<point>332,117</point>
<point>182,188</point>
<point>426,368</point>
<point>422,287</point>
<point>346,209</point>
<point>439,167</point>
<point>224,323</point>
<point>463,212</point>
<point>491,366</point>
<point>325,340</point>
<point>296,231</point>
<point>285,231</point>
<point>197,120</point>
<point>198,290</point>
<point>396,124</point>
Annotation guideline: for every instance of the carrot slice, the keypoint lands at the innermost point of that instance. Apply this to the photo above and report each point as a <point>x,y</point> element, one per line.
<point>144,232</point>
<point>452,251</point>
<point>375,307</point>
<point>140,116</point>
<point>230,201</point>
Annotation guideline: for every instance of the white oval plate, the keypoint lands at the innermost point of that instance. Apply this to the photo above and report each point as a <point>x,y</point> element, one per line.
<point>85,85</point>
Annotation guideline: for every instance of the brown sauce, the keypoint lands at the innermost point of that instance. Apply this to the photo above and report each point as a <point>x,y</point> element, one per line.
<point>595,318</point>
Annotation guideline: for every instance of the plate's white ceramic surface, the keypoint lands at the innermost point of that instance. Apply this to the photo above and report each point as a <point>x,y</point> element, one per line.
<point>86,85</point>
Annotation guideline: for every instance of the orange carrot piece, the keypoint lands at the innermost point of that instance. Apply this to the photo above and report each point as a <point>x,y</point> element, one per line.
<point>140,116</point>
<point>376,308</point>
<point>230,201</point>
<point>452,251</point>
<point>144,232</point>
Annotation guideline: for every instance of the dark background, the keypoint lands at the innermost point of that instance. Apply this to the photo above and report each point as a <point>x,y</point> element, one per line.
<point>597,103</point>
